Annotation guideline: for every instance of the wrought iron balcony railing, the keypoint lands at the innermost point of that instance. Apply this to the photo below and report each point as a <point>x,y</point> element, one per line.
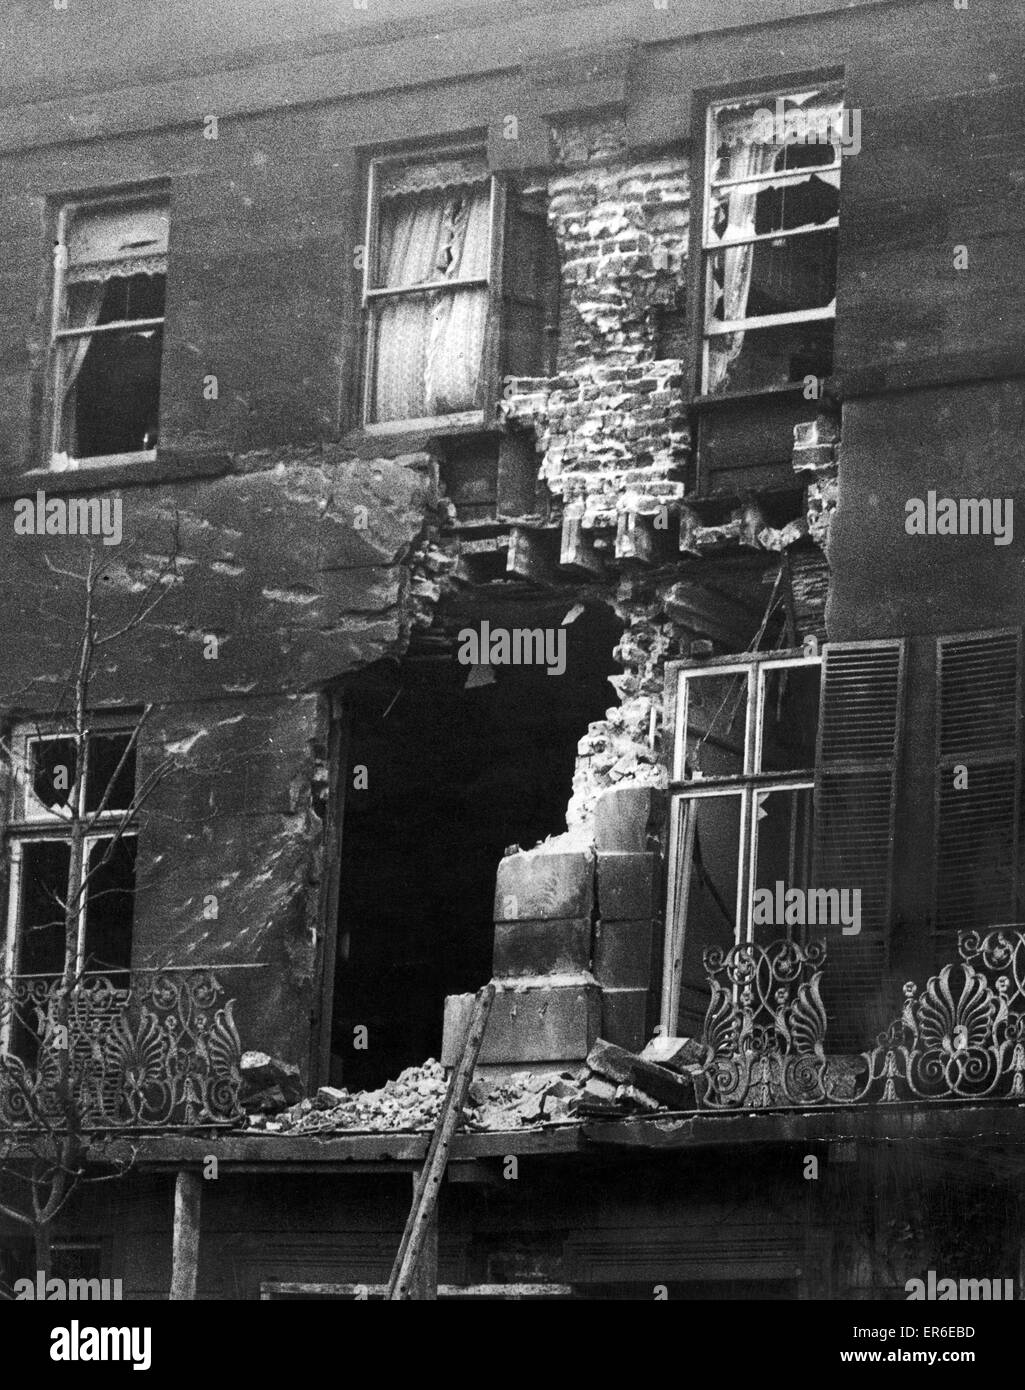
<point>149,1049</point>
<point>961,1038</point>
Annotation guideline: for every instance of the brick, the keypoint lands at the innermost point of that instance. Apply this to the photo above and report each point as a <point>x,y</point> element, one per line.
<point>624,1018</point>
<point>623,954</point>
<point>625,817</point>
<point>628,886</point>
<point>542,948</point>
<point>542,1023</point>
<point>545,887</point>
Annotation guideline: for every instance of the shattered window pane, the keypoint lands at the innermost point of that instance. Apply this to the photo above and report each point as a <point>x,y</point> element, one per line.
<point>52,764</point>
<point>781,830</point>
<point>716,723</point>
<point>770,240</point>
<point>790,718</point>
<point>109,338</point>
<point>104,883</point>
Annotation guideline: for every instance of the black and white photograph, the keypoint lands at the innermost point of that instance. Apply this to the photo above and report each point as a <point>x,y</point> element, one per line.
<point>511,670</point>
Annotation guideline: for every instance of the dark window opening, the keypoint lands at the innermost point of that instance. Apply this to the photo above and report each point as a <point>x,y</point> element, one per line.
<point>117,394</point>
<point>454,776</point>
<point>769,239</point>
<point>54,764</point>
<point>108,341</point>
<point>44,886</point>
<point>107,775</point>
<point>108,907</point>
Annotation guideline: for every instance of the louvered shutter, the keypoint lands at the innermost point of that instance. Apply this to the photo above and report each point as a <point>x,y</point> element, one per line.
<point>859,738</point>
<point>978,726</point>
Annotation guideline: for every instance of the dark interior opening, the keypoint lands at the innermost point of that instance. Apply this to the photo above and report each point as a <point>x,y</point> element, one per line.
<point>454,775</point>
<point>117,391</point>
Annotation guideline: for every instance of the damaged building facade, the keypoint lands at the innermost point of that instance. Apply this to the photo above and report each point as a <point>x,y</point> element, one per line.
<point>573,453</point>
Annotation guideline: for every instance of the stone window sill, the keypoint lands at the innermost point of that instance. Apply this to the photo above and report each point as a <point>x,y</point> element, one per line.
<point>167,467</point>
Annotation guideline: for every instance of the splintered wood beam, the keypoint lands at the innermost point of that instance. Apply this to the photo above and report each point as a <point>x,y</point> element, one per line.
<point>188,1188</point>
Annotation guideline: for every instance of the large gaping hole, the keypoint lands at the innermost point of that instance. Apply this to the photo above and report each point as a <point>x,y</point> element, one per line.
<point>453,776</point>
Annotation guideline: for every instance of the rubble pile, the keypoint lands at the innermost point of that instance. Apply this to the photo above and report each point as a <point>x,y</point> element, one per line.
<point>613,1082</point>
<point>526,1098</point>
<point>663,1076</point>
<point>411,1102</point>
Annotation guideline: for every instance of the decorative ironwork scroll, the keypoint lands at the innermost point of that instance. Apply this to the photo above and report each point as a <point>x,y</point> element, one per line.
<point>961,1038</point>
<point>154,1049</point>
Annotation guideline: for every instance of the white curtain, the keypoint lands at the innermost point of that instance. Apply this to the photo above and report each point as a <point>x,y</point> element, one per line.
<point>747,161</point>
<point>429,346</point>
<point>84,303</point>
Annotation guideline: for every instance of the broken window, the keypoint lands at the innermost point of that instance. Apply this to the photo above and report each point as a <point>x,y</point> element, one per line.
<point>111,274</point>
<point>769,242</point>
<point>437,339</point>
<point>48,796</point>
<point>743,777</point>
<point>784,777</point>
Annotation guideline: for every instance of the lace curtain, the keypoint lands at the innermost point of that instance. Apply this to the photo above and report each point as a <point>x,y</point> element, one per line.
<point>745,162</point>
<point>748,143</point>
<point>429,345</point>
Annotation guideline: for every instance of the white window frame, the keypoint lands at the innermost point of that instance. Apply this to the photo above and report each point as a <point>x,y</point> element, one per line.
<point>747,785</point>
<point>717,328</point>
<point>373,295</point>
<point>56,459</point>
<point>32,823</point>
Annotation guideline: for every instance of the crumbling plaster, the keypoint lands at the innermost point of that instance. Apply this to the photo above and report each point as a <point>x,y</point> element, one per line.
<point>613,435</point>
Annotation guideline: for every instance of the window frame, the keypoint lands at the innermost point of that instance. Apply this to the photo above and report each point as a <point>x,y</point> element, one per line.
<point>746,785</point>
<point>25,826</point>
<point>703,250</point>
<point>125,198</point>
<point>477,418</point>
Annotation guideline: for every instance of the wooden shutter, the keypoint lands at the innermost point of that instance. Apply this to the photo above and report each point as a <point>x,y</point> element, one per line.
<point>978,830</point>
<point>859,739</point>
<point>530,287</point>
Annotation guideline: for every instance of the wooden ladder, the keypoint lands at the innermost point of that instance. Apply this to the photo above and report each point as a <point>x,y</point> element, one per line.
<point>410,1277</point>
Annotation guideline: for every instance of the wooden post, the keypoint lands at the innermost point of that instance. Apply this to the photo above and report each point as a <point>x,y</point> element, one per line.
<point>423,1284</point>
<point>427,1185</point>
<point>188,1189</point>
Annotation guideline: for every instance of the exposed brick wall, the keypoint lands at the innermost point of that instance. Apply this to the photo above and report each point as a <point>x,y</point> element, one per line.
<point>613,438</point>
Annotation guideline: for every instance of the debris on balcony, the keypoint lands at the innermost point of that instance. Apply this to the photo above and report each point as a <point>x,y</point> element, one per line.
<point>413,1101</point>
<point>660,1077</point>
<point>268,1083</point>
<point>613,1082</point>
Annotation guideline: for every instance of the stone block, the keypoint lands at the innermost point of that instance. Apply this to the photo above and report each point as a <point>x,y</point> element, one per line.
<point>542,948</point>
<point>627,817</point>
<point>530,1023</point>
<point>624,1018</point>
<point>678,1054</point>
<point>458,1011</point>
<point>628,886</point>
<point>623,954</point>
<point>545,887</point>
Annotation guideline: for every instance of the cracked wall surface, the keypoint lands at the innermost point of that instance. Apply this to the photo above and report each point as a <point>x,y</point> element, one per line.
<point>301,565</point>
